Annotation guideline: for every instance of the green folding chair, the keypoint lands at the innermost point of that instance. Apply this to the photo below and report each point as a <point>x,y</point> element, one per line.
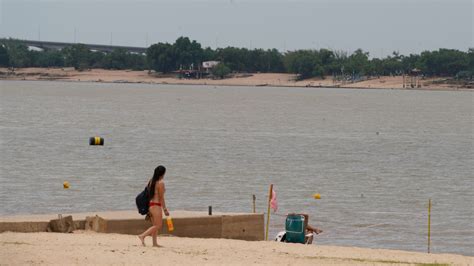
<point>295,228</point>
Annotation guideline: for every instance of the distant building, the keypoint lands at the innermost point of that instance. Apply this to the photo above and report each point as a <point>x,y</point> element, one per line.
<point>36,49</point>
<point>208,65</point>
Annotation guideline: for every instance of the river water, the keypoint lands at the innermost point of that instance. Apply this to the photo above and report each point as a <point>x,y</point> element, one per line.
<point>375,156</point>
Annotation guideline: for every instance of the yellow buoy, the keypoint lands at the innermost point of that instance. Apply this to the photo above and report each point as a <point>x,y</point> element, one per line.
<point>66,185</point>
<point>317,196</point>
<point>96,141</point>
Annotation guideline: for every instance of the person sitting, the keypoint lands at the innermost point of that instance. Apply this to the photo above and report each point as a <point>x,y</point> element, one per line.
<point>310,231</point>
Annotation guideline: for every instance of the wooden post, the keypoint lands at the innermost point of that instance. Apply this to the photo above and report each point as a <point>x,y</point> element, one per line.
<point>268,211</point>
<point>254,198</point>
<point>429,225</point>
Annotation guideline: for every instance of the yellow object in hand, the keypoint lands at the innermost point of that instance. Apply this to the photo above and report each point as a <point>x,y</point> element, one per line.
<point>169,221</point>
<point>317,196</point>
<point>66,185</point>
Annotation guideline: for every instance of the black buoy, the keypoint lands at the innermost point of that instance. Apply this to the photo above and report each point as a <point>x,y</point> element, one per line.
<point>96,141</point>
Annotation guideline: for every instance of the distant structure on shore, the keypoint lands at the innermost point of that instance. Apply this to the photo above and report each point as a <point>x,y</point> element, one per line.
<point>209,65</point>
<point>94,47</point>
<point>200,72</point>
<point>412,79</point>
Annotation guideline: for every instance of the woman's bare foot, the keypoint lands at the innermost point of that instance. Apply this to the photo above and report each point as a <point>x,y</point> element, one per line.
<point>157,246</point>
<point>142,239</point>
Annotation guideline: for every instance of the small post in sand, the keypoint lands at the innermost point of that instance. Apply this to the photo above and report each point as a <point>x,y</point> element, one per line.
<point>268,211</point>
<point>429,225</point>
<point>254,198</point>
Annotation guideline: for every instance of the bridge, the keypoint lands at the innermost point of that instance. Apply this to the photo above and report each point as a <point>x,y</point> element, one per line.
<point>95,47</point>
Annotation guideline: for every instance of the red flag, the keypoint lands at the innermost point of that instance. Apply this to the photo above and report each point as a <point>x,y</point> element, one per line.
<point>273,201</point>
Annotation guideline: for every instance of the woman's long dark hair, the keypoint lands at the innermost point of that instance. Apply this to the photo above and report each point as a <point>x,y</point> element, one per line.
<point>159,173</point>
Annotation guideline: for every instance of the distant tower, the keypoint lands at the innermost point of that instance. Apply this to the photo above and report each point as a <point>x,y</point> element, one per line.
<point>412,80</point>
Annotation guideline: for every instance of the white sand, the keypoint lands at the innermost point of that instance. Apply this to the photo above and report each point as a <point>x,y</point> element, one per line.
<point>105,249</point>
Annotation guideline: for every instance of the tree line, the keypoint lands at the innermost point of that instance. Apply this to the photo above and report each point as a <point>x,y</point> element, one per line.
<point>187,54</point>
<point>13,53</point>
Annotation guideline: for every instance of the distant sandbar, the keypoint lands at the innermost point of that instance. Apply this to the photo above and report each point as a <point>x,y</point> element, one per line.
<point>254,79</point>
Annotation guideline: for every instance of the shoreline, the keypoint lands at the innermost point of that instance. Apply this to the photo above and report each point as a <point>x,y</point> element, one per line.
<point>283,80</point>
<point>86,247</point>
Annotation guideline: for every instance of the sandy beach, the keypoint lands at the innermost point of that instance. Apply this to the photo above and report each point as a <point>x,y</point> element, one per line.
<point>84,247</point>
<point>256,79</point>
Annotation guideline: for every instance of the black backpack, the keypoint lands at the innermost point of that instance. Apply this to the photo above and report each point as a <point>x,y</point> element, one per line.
<point>142,201</point>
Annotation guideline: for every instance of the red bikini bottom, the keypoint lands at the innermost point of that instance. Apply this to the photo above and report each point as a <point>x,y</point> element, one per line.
<point>152,203</point>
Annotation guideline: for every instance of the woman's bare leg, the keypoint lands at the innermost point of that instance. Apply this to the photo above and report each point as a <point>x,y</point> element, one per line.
<point>157,222</point>
<point>156,218</point>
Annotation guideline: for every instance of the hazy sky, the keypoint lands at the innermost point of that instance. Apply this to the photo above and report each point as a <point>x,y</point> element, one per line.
<point>377,26</point>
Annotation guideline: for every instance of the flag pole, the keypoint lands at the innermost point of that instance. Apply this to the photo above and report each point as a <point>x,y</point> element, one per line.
<point>429,225</point>
<point>268,211</point>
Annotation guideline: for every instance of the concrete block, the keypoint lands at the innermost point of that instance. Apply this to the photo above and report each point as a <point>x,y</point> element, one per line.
<point>95,223</point>
<point>80,225</point>
<point>61,225</point>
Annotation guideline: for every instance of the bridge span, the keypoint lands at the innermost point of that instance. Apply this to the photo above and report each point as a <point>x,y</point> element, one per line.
<point>95,47</point>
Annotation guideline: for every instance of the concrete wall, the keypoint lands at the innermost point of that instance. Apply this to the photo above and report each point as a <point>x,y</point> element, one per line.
<point>245,227</point>
<point>235,226</point>
<point>24,227</point>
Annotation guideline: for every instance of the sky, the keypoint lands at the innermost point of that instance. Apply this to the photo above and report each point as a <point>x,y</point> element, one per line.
<point>377,26</point>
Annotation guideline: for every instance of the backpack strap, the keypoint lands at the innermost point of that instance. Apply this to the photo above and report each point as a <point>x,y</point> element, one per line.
<point>148,188</point>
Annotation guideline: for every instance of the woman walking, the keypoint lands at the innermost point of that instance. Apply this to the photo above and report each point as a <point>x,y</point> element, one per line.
<point>157,205</point>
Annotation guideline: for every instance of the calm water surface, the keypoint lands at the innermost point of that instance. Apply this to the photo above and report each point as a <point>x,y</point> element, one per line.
<point>223,144</point>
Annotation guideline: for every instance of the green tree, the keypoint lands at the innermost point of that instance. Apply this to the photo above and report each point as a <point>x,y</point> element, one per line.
<point>136,61</point>
<point>209,54</point>
<point>78,56</point>
<point>392,65</point>
<point>234,58</point>
<point>410,62</point>
<point>18,53</point>
<point>444,62</point>
<point>4,57</point>
<point>274,61</point>
<point>358,62</point>
<point>117,59</point>
<point>187,53</point>
<point>337,63</point>
<point>97,59</point>
<point>122,59</point>
<point>49,58</point>
<point>221,70</point>
<point>161,57</point>
<point>302,62</point>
